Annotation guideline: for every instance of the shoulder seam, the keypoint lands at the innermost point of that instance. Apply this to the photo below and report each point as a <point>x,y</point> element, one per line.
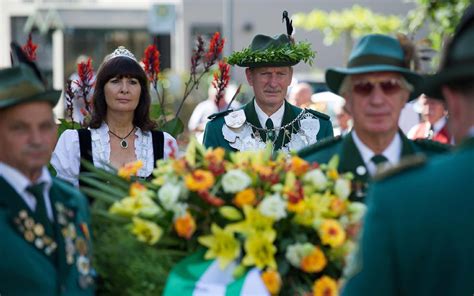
<point>318,114</point>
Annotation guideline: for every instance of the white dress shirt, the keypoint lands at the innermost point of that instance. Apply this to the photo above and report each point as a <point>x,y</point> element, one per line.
<point>20,182</point>
<point>66,158</point>
<point>276,117</point>
<point>392,152</point>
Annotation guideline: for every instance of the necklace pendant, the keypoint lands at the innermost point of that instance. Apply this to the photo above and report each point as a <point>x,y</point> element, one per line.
<point>124,144</point>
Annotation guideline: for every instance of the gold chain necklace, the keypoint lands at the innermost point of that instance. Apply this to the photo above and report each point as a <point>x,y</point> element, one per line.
<point>123,141</point>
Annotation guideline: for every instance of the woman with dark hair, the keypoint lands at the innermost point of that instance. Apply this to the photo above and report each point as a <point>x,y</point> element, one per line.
<point>120,130</point>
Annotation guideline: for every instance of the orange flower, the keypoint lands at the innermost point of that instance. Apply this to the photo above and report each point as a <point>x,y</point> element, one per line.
<point>262,170</point>
<point>130,169</point>
<point>332,233</point>
<point>325,286</point>
<point>199,180</point>
<point>185,226</point>
<point>179,166</point>
<point>296,207</point>
<point>215,155</point>
<point>338,206</point>
<point>245,197</point>
<point>272,281</point>
<point>136,188</point>
<point>314,262</point>
<point>299,166</point>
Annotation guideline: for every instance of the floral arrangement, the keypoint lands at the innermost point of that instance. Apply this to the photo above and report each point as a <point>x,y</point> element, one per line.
<point>280,215</point>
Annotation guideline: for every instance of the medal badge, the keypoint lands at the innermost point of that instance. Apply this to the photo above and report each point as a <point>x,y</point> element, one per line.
<point>235,119</point>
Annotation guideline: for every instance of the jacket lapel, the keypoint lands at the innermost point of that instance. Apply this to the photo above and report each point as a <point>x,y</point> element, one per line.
<point>408,148</point>
<point>252,117</point>
<point>23,221</point>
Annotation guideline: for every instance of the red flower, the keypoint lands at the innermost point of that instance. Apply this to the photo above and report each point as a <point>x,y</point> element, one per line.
<point>197,56</point>
<point>215,49</point>
<point>151,60</point>
<point>172,149</point>
<point>85,81</point>
<point>221,80</point>
<point>30,49</point>
<point>211,199</point>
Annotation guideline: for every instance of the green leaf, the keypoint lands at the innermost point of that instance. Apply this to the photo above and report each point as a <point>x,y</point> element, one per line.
<point>174,127</point>
<point>98,194</point>
<point>106,176</point>
<point>115,192</point>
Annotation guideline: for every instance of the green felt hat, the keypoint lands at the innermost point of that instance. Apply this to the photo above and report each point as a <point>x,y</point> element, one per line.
<point>373,53</point>
<point>458,63</point>
<point>276,51</point>
<point>21,85</point>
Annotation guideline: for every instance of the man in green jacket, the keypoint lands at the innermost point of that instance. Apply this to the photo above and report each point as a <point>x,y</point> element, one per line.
<point>45,244</point>
<point>417,236</point>
<point>376,85</point>
<point>268,117</point>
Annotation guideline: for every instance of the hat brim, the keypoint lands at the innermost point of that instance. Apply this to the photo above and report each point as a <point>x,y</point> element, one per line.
<point>268,64</point>
<point>335,76</point>
<point>433,83</point>
<point>51,96</point>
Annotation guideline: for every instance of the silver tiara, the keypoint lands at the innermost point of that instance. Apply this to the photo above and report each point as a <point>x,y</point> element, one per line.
<point>121,51</point>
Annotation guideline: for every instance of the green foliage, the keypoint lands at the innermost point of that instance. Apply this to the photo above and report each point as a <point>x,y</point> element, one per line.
<point>356,21</point>
<point>174,127</point>
<point>292,53</point>
<point>441,17</point>
<point>125,265</point>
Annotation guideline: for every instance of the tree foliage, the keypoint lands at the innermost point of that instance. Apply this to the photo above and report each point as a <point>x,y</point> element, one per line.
<point>356,21</point>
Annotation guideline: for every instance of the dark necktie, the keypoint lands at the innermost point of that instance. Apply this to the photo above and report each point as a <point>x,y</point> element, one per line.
<point>41,213</point>
<point>270,131</point>
<point>378,159</point>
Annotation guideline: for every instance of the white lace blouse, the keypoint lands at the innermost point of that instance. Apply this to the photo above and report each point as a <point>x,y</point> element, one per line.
<point>66,156</point>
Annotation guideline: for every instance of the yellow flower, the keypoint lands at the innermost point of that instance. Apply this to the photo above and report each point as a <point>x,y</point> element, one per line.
<point>314,262</point>
<point>260,251</point>
<point>314,207</point>
<point>296,207</point>
<point>199,180</point>
<point>221,245</point>
<point>146,231</point>
<point>130,169</point>
<point>332,174</point>
<point>132,206</point>
<point>179,166</point>
<point>245,197</point>
<point>325,286</point>
<point>230,213</point>
<point>262,170</point>
<point>185,226</point>
<point>254,223</point>
<point>136,189</point>
<point>299,166</point>
<point>332,233</point>
<point>272,281</point>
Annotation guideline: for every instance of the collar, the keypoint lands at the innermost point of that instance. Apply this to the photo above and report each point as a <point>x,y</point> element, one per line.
<point>392,152</point>
<point>276,117</point>
<point>19,182</point>
<point>438,125</point>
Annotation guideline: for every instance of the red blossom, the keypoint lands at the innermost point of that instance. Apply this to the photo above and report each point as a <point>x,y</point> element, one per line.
<point>151,60</point>
<point>30,49</point>
<point>211,199</point>
<point>221,80</point>
<point>85,82</point>
<point>197,56</point>
<point>215,49</point>
<point>296,195</point>
<point>172,149</point>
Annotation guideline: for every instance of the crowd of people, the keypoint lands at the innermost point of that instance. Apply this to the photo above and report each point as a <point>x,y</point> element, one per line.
<point>415,239</point>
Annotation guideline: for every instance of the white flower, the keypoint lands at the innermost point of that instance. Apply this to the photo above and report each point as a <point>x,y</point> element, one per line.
<point>235,180</point>
<point>273,206</point>
<point>357,211</point>
<point>168,195</point>
<point>296,252</point>
<point>317,179</point>
<point>342,188</point>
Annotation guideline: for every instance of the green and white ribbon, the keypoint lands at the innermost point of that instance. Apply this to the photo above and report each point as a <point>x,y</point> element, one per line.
<point>195,276</point>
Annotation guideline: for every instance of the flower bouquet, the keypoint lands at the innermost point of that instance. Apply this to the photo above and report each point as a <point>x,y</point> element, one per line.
<point>246,221</point>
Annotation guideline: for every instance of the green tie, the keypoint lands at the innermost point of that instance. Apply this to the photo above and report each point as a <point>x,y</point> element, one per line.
<point>378,159</point>
<point>40,212</point>
<point>270,131</point>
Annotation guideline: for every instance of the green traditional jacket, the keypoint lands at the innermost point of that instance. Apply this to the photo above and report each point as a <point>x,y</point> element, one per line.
<point>37,262</point>
<point>303,129</point>
<point>417,237</point>
<point>350,159</point>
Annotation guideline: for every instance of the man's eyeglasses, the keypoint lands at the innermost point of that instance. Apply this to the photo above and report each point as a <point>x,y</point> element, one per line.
<point>365,87</point>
